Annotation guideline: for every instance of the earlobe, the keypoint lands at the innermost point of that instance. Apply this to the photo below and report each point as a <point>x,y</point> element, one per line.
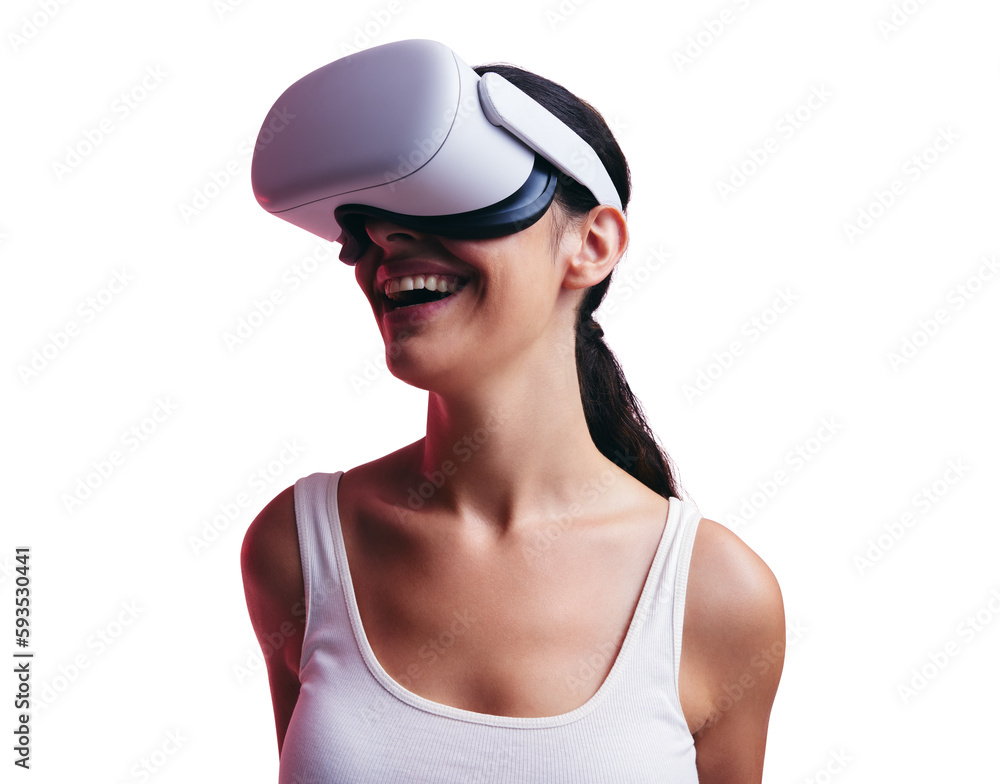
<point>603,238</point>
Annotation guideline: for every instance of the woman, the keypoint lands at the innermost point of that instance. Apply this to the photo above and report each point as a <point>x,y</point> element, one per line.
<point>507,598</point>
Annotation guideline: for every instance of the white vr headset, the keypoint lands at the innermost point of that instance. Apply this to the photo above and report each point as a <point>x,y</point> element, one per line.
<point>408,132</point>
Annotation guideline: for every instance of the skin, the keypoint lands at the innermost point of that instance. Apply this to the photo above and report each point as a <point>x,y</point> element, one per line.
<point>499,363</point>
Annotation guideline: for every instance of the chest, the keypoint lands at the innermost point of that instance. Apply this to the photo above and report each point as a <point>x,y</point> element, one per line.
<point>525,625</point>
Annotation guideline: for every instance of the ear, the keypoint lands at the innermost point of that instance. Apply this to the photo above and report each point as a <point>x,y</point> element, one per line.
<point>594,247</point>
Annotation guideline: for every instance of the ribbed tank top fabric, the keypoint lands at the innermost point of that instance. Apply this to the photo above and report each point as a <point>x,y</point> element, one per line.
<point>353,724</point>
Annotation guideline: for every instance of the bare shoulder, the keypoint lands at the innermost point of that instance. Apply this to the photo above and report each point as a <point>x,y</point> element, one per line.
<point>269,558</point>
<point>275,594</point>
<point>732,654</point>
<point>731,591</point>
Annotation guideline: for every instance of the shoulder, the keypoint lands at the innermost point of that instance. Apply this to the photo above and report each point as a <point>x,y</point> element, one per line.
<point>272,580</point>
<point>730,588</point>
<point>734,643</point>
<point>275,594</point>
<point>269,558</point>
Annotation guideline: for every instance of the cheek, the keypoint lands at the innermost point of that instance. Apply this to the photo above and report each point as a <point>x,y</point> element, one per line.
<point>518,310</point>
<point>360,276</point>
<point>364,277</point>
<point>368,297</point>
<point>518,280</point>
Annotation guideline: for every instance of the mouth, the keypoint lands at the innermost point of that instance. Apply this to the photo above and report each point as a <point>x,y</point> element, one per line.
<point>409,291</point>
<point>409,307</point>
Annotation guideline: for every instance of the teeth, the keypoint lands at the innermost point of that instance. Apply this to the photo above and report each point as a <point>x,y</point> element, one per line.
<point>448,283</point>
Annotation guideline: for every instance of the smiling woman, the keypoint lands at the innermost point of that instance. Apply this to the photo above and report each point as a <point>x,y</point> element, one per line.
<point>521,595</point>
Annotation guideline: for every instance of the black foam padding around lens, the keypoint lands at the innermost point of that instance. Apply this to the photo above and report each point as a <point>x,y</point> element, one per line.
<point>517,212</point>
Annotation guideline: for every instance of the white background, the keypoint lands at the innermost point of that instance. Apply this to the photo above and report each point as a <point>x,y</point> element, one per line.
<point>112,683</point>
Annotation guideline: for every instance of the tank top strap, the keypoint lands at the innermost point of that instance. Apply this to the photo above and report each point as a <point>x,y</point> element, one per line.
<point>655,667</point>
<point>326,613</point>
<point>673,588</point>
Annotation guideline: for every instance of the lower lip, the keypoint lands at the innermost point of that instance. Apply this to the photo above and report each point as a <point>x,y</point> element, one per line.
<point>417,315</point>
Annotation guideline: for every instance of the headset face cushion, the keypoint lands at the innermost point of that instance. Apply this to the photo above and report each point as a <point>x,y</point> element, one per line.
<point>515,213</point>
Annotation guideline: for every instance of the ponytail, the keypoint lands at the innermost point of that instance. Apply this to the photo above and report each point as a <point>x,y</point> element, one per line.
<point>614,416</point>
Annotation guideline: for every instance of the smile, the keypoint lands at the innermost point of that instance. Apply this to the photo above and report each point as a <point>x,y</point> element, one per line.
<point>409,290</point>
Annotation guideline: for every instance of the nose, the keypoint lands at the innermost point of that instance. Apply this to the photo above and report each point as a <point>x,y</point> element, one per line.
<point>360,232</point>
<point>387,234</point>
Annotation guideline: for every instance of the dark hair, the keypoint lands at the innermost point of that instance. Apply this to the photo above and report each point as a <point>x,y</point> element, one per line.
<point>615,419</point>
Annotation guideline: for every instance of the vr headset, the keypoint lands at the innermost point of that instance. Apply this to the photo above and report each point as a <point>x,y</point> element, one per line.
<point>410,133</point>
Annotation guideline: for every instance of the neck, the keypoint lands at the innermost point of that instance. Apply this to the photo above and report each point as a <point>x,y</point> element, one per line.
<point>510,449</point>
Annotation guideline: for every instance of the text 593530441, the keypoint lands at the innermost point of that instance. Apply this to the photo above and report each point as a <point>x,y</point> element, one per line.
<point>22,658</point>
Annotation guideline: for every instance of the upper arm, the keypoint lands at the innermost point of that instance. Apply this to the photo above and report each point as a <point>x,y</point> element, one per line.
<point>275,594</point>
<point>732,654</point>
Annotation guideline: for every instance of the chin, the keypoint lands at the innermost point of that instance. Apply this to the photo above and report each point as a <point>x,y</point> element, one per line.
<point>414,371</point>
<point>433,374</point>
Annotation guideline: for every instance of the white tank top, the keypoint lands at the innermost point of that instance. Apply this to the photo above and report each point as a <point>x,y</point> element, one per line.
<point>354,724</point>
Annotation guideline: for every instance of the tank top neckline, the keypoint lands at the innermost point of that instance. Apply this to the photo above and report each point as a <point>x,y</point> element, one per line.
<point>403,694</point>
